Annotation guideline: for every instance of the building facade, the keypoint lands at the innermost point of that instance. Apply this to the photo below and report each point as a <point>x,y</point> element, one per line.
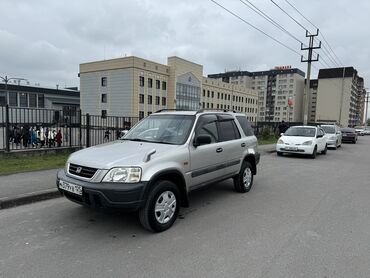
<point>312,98</point>
<point>340,96</point>
<point>136,87</point>
<point>280,91</point>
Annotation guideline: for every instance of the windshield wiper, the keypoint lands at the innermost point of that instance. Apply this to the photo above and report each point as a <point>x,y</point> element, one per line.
<point>138,140</point>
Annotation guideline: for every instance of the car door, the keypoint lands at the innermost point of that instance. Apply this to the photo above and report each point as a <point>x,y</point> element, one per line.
<point>322,140</point>
<point>206,161</point>
<point>232,143</point>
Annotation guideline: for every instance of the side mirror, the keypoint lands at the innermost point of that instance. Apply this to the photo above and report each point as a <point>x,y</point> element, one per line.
<point>338,132</point>
<point>281,134</point>
<point>202,140</point>
<point>319,136</point>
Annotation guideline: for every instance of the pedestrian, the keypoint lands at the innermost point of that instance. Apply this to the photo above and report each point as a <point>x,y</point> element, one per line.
<point>106,135</point>
<point>283,127</point>
<point>58,138</point>
<point>42,137</point>
<point>34,137</point>
<point>50,137</point>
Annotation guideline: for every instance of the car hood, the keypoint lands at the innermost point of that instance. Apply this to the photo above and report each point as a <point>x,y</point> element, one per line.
<point>118,153</point>
<point>296,140</point>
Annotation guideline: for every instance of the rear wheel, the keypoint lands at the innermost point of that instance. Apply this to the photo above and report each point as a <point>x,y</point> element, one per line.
<point>244,181</point>
<point>161,208</point>
<point>336,145</point>
<point>279,153</point>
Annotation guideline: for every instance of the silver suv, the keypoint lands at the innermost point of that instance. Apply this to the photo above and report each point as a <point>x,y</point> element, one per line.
<point>159,161</point>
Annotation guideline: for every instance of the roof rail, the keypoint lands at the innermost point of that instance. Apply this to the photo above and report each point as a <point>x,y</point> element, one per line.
<point>215,110</point>
<point>165,110</point>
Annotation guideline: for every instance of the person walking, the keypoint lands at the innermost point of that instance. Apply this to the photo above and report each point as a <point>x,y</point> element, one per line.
<point>58,138</point>
<point>34,137</point>
<point>282,127</point>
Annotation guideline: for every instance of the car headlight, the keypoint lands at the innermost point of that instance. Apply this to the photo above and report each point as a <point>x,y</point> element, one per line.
<point>333,138</point>
<point>280,141</point>
<point>66,167</point>
<point>124,174</point>
<point>307,143</point>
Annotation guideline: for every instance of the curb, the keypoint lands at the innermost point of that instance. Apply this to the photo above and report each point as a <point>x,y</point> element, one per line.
<point>9,202</point>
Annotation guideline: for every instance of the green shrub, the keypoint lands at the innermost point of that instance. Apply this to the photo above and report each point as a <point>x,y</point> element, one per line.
<point>266,133</point>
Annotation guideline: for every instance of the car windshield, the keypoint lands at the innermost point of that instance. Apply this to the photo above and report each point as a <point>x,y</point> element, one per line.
<point>328,129</point>
<point>165,129</point>
<point>301,131</point>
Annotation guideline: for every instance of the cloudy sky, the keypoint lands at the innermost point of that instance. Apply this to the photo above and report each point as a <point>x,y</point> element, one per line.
<point>45,41</point>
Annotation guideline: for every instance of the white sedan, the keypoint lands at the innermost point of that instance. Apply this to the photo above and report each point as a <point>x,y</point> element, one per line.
<point>308,140</point>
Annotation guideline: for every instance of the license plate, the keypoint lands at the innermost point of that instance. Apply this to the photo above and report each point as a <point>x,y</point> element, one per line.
<point>73,188</point>
<point>292,148</point>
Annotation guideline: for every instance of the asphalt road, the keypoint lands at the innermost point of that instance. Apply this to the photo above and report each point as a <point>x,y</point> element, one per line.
<point>303,218</point>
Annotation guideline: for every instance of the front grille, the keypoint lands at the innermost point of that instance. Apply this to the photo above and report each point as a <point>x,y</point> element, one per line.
<point>85,172</point>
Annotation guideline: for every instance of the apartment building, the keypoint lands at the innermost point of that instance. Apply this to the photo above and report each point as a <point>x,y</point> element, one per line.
<point>280,91</point>
<point>312,99</point>
<point>136,87</point>
<point>340,96</point>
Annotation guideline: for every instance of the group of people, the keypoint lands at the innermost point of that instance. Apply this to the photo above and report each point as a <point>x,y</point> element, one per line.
<point>35,136</point>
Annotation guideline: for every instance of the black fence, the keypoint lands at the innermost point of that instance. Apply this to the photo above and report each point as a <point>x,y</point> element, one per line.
<point>28,128</point>
<point>259,127</point>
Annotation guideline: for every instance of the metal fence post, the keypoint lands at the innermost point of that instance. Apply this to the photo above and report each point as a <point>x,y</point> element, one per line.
<point>70,131</point>
<point>7,135</point>
<point>80,127</point>
<point>87,130</point>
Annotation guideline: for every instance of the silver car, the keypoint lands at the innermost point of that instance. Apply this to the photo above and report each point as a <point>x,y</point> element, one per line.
<point>333,135</point>
<point>159,161</point>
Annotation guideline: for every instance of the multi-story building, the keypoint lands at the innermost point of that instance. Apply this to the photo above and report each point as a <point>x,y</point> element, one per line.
<point>280,91</point>
<point>340,96</point>
<point>135,87</point>
<point>312,99</point>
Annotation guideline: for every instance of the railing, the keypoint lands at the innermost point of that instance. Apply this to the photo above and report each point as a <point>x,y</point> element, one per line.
<point>34,129</point>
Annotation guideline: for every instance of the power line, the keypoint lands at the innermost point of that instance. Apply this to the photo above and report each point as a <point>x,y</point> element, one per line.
<point>322,35</point>
<point>256,28</point>
<point>296,21</point>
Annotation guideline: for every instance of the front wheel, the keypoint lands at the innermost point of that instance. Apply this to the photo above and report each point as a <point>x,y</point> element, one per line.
<point>279,153</point>
<point>161,208</point>
<point>244,181</point>
<point>313,155</point>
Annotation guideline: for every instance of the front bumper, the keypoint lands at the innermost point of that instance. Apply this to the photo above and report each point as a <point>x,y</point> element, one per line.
<point>332,143</point>
<point>294,149</point>
<point>105,195</point>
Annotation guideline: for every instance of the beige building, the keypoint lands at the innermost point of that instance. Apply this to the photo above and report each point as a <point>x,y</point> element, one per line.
<point>135,87</point>
<point>280,91</point>
<point>339,96</point>
<point>314,83</point>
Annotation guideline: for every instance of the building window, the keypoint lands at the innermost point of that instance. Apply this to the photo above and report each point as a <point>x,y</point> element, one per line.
<point>164,85</point>
<point>141,114</point>
<point>141,79</point>
<point>218,95</point>
<point>207,93</point>
<point>104,82</point>
<point>150,83</point>
<point>33,100</point>
<point>233,98</point>
<point>213,94</point>
<point>204,93</point>
<point>222,95</point>
<point>104,114</point>
<point>203,105</point>
<point>157,84</point>
<point>104,98</point>
<point>40,101</point>
<point>150,99</point>
<point>228,97</point>
<point>207,104</point>
<point>149,113</point>
<point>157,100</point>
<point>23,100</point>
<point>211,105</point>
<point>13,99</point>
<point>164,101</point>
<point>141,98</point>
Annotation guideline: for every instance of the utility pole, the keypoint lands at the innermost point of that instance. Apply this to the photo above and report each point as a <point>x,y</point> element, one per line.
<point>309,60</point>
<point>367,107</point>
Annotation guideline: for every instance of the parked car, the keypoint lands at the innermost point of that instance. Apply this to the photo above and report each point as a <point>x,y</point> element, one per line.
<point>307,140</point>
<point>159,161</point>
<point>367,131</point>
<point>333,135</point>
<point>360,130</point>
<point>349,135</point>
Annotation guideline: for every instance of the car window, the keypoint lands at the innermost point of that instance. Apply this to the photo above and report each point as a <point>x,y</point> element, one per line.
<point>228,130</point>
<point>207,126</point>
<point>247,129</point>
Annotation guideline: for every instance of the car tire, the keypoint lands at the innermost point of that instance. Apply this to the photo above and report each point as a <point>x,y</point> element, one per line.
<point>325,150</point>
<point>336,145</point>
<point>152,216</point>
<point>279,153</point>
<point>354,141</point>
<point>244,181</point>
<point>313,155</point>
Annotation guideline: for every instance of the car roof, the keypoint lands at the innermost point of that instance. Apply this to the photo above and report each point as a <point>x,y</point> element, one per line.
<point>192,112</point>
<point>305,126</point>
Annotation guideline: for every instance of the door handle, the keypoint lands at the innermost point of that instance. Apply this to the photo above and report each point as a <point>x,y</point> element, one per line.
<point>243,145</point>
<point>219,150</point>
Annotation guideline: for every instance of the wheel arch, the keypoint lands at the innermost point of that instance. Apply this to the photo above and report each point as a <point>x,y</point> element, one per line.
<point>252,160</point>
<point>174,176</point>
